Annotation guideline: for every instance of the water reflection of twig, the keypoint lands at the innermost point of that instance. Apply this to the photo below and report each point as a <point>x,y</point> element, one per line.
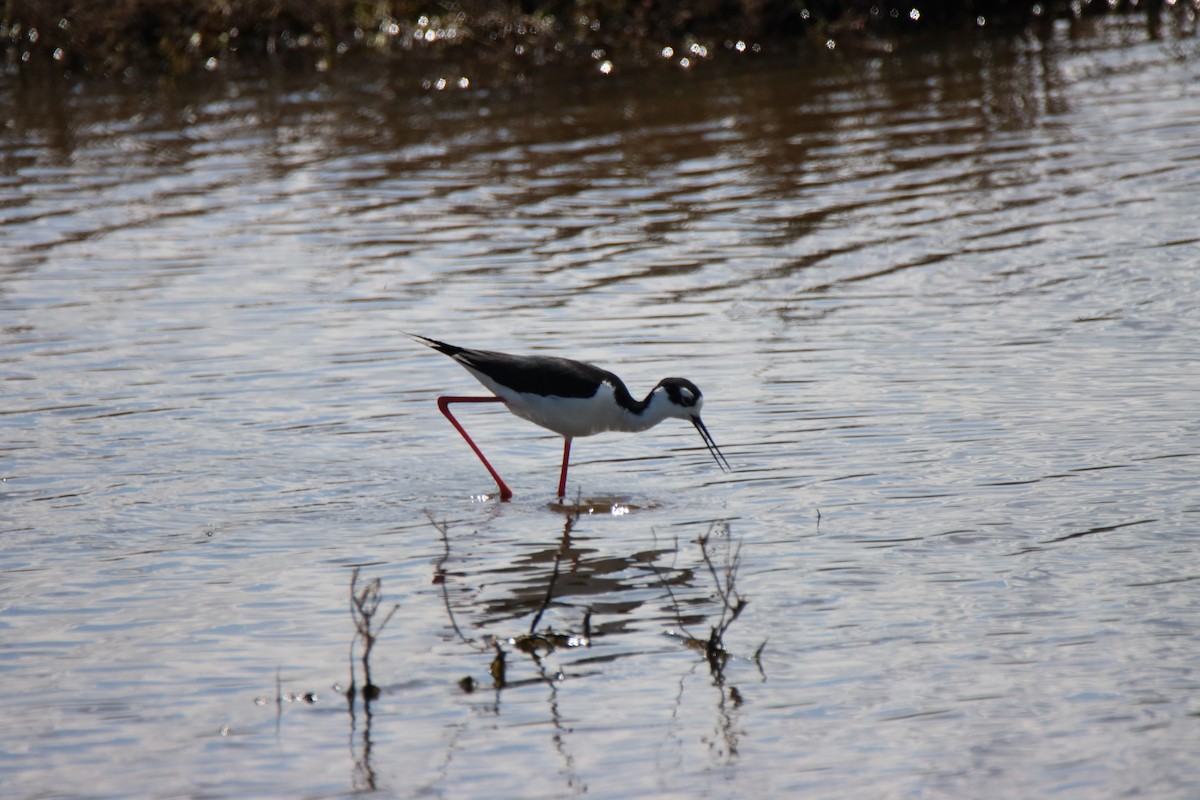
<point>730,700</point>
<point>364,771</point>
<point>667,585</point>
<point>278,702</point>
<point>672,731</point>
<point>443,770</point>
<point>559,729</point>
<point>443,529</point>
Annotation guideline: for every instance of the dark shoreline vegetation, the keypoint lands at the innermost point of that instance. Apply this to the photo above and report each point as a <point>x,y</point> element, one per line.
<point>493,41</point>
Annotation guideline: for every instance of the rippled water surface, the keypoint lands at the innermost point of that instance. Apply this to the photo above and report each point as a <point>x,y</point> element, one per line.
<point>944,309</point>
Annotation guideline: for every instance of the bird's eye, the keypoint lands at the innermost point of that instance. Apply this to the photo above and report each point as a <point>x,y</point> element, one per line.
<point>687,397</point>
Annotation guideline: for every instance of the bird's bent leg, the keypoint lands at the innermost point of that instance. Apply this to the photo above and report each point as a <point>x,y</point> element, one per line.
<point>444,407</point>
<point>562,479</point>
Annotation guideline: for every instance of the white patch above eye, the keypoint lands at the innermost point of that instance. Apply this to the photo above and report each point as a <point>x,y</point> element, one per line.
<point>687,397</point>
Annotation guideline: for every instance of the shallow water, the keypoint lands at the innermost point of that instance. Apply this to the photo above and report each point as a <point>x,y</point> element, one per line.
<point>943,309</point>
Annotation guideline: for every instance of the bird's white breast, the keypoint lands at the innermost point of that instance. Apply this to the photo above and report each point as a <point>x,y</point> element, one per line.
<point>568,416</point>
<point>574,416</point>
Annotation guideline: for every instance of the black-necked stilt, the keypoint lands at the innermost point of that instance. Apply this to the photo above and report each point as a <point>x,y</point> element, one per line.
<point>570,398</point>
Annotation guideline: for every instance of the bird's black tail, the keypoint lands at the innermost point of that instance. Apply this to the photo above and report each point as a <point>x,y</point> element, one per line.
<point>441,347</point>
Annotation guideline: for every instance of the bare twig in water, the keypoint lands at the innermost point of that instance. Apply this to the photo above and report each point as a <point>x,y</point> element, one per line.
<point>364,606</point>
<point>732,604</point>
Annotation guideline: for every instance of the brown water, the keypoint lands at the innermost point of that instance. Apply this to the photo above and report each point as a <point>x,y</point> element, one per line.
<point>943,307</point>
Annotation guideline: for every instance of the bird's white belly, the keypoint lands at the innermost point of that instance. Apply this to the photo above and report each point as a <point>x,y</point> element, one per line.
<point>571,416</point>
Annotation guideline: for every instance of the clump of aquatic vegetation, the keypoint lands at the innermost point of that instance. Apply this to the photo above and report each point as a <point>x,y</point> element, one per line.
<point>504,40</point>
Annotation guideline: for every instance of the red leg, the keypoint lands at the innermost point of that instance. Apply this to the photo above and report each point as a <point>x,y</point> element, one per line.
<point>562,479</point>
<point>444,407</point>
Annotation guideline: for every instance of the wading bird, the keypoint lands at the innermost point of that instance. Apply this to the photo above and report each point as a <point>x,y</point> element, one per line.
<point>570,398</point>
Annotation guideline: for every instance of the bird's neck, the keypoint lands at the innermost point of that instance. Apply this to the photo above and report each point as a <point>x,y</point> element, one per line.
<point>641,415</point>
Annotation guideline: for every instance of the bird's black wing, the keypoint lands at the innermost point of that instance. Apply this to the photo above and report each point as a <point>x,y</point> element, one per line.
<point>541,375</point>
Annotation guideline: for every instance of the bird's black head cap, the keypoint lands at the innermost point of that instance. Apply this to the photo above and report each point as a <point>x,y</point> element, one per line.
<point>682,392</point>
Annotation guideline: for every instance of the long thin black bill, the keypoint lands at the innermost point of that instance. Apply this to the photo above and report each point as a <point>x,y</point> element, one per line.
<point>717,455</point>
